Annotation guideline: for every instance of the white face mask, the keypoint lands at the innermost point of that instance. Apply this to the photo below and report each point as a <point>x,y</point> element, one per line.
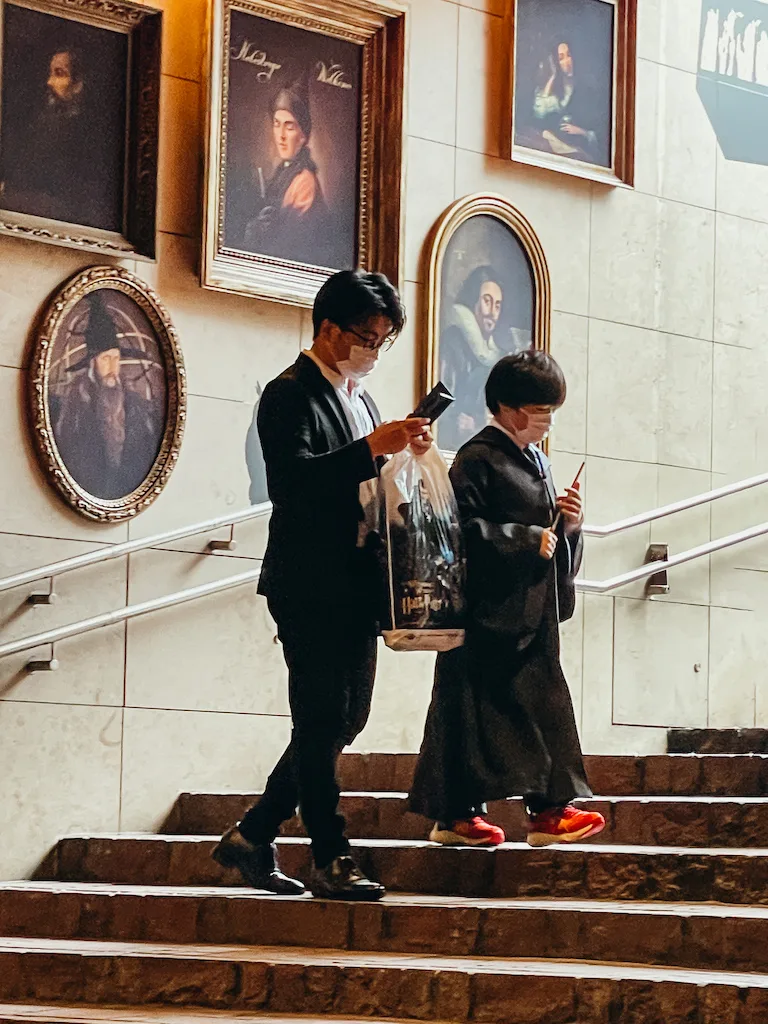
<point>360,362</point>
<point>541,423</point>
<point>537,427</point>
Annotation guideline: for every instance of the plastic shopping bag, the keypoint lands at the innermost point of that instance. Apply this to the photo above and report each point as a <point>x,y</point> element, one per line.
<point>424,554</point>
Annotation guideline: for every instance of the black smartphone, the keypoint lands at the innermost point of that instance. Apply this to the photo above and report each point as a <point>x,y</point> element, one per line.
<point>434,404</point>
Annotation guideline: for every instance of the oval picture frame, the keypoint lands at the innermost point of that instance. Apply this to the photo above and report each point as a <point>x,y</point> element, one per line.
<point>146,380</point>
<point>463,217</point>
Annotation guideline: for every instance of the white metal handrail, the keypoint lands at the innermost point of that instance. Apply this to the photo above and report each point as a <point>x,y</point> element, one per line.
<point>107,553</point>
<point>53,636</point>
<point>676,506</point>
<point>644,571</point>
<point>133,611</point>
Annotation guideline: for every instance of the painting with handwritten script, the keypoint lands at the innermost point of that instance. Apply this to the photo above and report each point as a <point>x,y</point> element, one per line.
<point>292,144</point>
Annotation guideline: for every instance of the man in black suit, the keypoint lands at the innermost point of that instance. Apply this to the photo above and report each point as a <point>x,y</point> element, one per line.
<point>323,444</point>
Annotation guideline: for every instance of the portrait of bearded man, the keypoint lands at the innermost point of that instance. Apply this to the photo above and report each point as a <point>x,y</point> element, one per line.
<point>64,120</point>
<point>108,435</point>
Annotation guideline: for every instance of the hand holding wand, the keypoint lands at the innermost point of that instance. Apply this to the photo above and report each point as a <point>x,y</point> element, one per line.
<point>556,520</point>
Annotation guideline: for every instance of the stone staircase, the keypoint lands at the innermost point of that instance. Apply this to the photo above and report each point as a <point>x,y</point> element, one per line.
<point>664,921</point>
<point>717,741</point>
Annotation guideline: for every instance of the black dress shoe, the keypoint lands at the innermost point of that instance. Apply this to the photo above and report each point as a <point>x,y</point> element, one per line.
<point>342,879</point>
<point>257,864</point>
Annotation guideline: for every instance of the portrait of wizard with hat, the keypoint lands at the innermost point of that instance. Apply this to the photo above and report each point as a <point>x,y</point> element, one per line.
<point>292,219</point>
<point>108,435</point>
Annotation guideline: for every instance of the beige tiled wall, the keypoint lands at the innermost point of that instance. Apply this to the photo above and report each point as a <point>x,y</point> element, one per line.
<point>659,298</point>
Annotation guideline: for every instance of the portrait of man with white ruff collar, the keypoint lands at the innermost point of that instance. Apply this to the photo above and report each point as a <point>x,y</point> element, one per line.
<point>486,312</point>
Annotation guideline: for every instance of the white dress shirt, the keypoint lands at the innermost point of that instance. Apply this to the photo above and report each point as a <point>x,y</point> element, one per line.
<point>350,395</point>
<point>361,424</point>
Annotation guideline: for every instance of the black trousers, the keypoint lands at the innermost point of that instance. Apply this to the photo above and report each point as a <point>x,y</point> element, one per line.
<point>331,668</point>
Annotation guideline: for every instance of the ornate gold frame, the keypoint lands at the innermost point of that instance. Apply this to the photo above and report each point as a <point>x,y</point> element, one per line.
<point>481,204</point>
<point>137,240</point>
<point>622,170</point>
<point>379,27</point>
<point>82,284</point>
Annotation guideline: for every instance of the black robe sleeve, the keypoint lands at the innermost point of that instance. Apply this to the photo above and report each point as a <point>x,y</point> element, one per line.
<point>513,543</point>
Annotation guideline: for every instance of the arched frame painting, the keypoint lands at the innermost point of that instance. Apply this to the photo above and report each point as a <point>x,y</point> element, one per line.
<point>107,394</point>
<point>488,295</point>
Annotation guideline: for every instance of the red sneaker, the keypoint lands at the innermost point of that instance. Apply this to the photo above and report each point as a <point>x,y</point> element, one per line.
<point>563,825</point>
<point>474,832</point>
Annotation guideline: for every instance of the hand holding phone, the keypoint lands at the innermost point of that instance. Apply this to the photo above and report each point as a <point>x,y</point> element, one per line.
<point>570,503</point>
<point>434,404</point>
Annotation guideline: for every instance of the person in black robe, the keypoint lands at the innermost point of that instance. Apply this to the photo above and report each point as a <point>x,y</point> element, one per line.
<point>501,721</point>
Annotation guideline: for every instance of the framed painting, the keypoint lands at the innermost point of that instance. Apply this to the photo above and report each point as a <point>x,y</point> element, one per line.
<point>573,87</point>
<point>488,295</point>
<point>79,109</point>
<point>107,394</point>
<point>305,142</point>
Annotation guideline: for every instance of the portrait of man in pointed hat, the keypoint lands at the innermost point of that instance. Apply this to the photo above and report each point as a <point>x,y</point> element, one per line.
<point>293,142</point>
<point>108,433</point>
<point>293,219</point>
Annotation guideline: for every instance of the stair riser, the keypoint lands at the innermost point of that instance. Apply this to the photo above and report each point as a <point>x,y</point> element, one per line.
<point>609,775</point>
<point>508,872</point>
<point>628,822</point>
<point>655,939</point>
<point>717,741</point>
<point>370,992</point>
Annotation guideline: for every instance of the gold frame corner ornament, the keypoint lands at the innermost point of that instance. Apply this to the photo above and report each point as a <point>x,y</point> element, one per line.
<point>137,240</point>
<point>482,204</point>
<point>379,27</point>
<point>621,173</point>
<point>64,300</point>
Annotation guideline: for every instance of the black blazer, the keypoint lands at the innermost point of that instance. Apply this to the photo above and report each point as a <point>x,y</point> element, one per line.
<point>506,498</point>
<point>314,471</point>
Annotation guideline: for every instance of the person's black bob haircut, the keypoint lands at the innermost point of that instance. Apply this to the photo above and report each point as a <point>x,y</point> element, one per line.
<point>351,297</point>
<point>526,378</point>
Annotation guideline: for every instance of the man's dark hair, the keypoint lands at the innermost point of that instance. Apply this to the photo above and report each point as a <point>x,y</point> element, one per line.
<point>470,290</point>
<point>351,297</point>
<point>526,378</point>
<point>76,67</point>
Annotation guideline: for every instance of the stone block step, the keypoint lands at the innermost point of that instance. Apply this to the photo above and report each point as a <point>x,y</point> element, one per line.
<point>642,821</point>
<point>30,1013</point>
<point>511,871</point>
<point>374,985</point>
<point>703,936</point>
<point>717,741</point>
<point>609,775</point>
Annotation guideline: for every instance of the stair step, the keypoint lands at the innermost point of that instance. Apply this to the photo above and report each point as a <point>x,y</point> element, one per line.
<point>685,934</point>
<point>513,870</point>
<point>652,821</point>
<point>16,1013</point>
<point>425,988</point>
<point>611,775</point>
<point>30,1013</point>
<point>717,741</point>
